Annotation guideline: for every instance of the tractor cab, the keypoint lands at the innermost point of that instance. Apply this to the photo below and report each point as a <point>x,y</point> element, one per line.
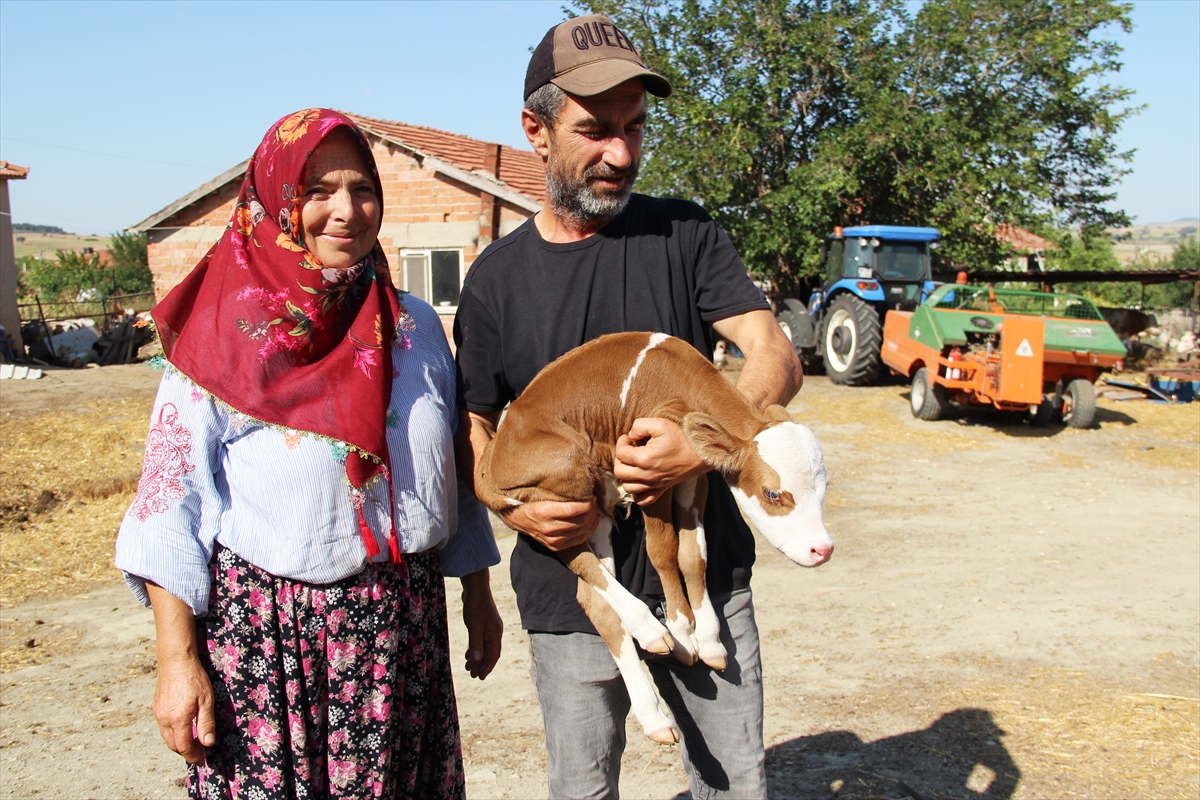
<point>886,265</point>
<point>869,270</point>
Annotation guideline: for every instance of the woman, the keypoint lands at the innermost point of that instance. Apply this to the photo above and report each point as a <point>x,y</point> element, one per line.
<point>298,501</point>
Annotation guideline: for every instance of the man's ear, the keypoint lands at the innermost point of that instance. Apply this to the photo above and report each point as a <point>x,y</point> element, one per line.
<point>713,444</point>
<point>537,133</point>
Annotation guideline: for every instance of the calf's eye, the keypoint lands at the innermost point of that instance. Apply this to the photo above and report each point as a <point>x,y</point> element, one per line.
<point>771,495</point>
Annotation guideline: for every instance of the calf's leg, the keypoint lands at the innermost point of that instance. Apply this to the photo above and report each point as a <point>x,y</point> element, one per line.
<point>642,697</point>
<point>587,561</point>
<point>690,500</point>
<point>662,547</point>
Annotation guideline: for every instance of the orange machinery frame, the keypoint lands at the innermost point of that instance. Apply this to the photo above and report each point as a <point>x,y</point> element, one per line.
<point>1013,377</point>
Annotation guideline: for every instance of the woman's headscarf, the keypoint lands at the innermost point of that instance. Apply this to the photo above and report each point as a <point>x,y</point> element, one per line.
<point>261,324</point>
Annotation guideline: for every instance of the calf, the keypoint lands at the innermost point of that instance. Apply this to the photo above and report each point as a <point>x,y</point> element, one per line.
<point>556,443</point>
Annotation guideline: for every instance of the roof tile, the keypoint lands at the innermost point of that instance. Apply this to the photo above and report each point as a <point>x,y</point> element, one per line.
<point>522,170</point>
<point>10,170</point>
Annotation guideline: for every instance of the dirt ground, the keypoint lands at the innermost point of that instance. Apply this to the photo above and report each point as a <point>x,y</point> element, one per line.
<point>1011,612</point>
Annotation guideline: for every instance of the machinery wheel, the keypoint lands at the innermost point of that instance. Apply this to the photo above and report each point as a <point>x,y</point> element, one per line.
<point>928,400</point>
<point>1043,415</point>
<point>852,338</point>
<point>1079,404</point>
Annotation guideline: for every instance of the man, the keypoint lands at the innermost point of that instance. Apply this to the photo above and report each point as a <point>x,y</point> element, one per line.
<point>599,259</point>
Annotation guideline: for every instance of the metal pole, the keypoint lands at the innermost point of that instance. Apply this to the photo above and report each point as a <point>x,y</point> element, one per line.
<point>45,328</point>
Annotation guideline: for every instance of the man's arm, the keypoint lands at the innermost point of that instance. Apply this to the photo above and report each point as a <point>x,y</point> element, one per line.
<point>556,524</point>
<point>655,455</point>
<point>772,373</point>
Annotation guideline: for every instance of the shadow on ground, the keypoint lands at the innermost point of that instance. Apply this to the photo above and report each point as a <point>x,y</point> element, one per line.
<point>959,756</point>
<point>1019,424</point>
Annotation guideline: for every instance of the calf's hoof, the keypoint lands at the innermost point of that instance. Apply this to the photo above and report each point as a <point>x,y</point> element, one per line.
<point>714,656</point>
<point>664,736</point>
<point>683,653</point>
<point>661,646</point>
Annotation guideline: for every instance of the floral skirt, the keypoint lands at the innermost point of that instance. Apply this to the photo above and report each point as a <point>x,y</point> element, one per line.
<point>340,690</point>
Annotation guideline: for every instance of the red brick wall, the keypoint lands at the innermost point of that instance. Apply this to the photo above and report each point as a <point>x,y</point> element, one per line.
<point>411,194</point>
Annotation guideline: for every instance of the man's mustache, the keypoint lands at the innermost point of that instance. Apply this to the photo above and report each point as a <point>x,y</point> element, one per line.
<point>606,172</point>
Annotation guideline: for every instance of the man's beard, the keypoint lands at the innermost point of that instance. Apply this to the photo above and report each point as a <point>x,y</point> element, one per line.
<point>575,200</point>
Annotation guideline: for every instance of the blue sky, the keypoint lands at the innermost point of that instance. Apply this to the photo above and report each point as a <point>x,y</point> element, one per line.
<point>164,96</point>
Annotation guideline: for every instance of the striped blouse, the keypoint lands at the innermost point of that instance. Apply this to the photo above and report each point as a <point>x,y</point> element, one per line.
<point>279,498</point>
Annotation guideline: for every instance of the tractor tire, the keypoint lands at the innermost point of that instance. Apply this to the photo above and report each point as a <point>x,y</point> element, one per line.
<point>1079,404</point>
<point>789,323</point>
<point>852,337</point>
<point>927,399</point>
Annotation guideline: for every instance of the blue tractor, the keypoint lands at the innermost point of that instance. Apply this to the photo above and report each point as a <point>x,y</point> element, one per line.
<point>868,270</point>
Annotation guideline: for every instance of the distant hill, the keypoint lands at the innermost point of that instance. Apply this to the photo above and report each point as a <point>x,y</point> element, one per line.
<point>1154,238</point>
<point>26,227</point>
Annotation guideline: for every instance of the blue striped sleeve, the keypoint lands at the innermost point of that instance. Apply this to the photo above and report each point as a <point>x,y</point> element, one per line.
<point>167,535</point>
<point>472,546</point>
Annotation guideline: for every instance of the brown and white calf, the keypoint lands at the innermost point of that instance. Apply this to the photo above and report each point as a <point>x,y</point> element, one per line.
<point>556,443</point>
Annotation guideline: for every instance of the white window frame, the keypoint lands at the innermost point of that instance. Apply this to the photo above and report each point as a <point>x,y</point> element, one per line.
<point>425,291</point>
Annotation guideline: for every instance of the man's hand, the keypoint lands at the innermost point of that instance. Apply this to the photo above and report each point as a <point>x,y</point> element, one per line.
<point>653,457</point>
<point>557,524</point>
<point>484,626</point>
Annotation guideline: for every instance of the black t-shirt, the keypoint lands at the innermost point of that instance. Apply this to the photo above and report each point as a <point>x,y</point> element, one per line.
<point>661,266</point>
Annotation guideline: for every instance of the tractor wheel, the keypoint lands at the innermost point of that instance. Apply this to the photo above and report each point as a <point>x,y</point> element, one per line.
<point>1079,404</point>
<point>789,323</point>
<point>853,335</point>
<point>928,400</point>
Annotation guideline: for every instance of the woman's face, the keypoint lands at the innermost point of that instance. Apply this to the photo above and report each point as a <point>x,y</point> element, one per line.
<point>340,211</point>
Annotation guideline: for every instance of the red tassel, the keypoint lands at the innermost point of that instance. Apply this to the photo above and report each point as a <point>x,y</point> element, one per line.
<point>367,536</point>
<point>393,539</point>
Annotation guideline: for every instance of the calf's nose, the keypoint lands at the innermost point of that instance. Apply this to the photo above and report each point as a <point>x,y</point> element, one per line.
<point>822,554</point>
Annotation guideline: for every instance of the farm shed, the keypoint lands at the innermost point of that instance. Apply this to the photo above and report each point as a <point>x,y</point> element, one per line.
<point>8,264</point>
<point>446,197</point>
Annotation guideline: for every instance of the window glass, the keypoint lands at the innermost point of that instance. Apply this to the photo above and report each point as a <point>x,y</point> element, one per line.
<point>837,252</point>
<point>903,261</point>
<point>444,274</point>
<point>858,256</point>
<point>414,275</point>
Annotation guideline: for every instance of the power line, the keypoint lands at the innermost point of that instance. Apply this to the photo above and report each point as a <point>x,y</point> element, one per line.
<point>106,155</point>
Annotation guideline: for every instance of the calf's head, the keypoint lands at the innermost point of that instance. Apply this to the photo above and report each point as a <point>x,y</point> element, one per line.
<point>778,479</point>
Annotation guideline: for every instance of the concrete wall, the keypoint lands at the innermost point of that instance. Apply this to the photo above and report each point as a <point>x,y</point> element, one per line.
<point>9,317</point>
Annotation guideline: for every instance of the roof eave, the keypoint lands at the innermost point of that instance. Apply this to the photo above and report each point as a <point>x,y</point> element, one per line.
<point>151,222</point>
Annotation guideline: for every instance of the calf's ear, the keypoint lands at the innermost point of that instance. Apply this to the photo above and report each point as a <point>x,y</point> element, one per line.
<point>713,444</point>
<point>778,413</point>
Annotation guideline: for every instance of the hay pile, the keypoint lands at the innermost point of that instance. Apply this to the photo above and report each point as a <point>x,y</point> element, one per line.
<point>66,481</point>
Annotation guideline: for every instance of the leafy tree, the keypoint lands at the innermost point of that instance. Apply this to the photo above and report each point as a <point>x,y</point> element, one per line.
<point>130,266</point>
<point>792,116</point>
<point>74,274</point>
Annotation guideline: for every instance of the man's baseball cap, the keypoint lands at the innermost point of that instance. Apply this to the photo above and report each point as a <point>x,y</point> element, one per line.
<point>586,56</point>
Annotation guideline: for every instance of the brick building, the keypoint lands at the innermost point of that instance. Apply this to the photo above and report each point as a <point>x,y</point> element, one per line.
<point>446,197</point>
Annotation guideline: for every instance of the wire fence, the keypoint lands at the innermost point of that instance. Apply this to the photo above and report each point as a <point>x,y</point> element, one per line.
<point>104,311</point>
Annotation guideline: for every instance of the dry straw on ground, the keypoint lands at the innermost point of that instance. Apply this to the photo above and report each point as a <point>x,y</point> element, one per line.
<point>66,480</point>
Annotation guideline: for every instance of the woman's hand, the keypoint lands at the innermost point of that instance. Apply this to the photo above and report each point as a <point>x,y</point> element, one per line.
<point>484,626</point>
<point>652,457</point>
<point>183,706</point>
<point>183,696</point>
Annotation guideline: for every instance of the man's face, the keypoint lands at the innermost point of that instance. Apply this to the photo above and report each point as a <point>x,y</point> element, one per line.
<point>593,153</point>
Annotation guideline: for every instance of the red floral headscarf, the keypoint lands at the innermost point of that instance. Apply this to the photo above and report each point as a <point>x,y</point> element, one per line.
<point>261,324</point>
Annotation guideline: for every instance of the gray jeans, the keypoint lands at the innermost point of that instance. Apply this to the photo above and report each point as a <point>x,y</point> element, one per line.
<point>720,714</point>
